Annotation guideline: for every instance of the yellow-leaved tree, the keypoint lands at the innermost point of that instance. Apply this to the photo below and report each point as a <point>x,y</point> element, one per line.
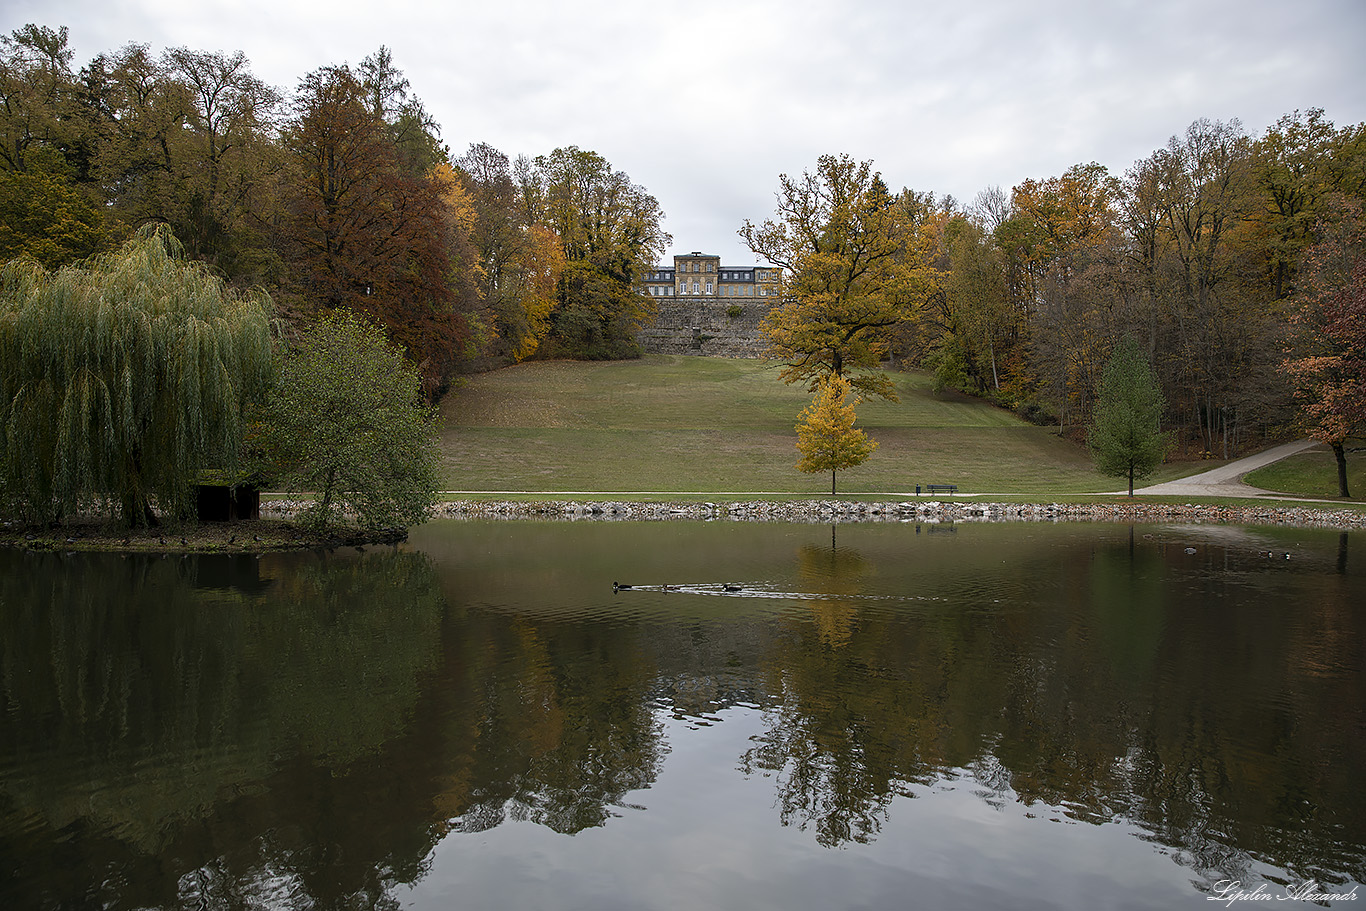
<point>826,436</point>
<point>838,236</point>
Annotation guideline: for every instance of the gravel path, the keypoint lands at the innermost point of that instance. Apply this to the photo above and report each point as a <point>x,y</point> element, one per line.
<point>1227,480</point>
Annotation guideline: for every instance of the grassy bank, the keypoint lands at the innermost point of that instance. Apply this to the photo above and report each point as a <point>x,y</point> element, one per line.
<point>1314,474</point>
<point>677,425</point>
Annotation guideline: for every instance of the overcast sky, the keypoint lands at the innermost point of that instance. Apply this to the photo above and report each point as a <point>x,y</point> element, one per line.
<point>706,103</point>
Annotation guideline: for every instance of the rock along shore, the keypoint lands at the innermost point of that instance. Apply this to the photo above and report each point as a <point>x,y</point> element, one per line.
<point>837,511</point>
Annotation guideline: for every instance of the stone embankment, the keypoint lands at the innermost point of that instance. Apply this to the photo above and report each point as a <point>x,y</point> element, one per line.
<point>836,511</point>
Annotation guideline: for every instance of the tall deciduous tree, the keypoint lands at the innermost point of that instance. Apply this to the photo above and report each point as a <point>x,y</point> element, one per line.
<point>519,262</point>
<point>826,435</point>
<point>121,379</point>
<point>1218,335</point>
<point>231,114</point>
<point>346,422</point>
<point>1330,374</point>
<point>187,138</point>
<point>837,234</point>
<point>1126,437</point>
<point>37,95</point>
<point>365,233</point>
<point>1298,168</point>
<point>610,232</point>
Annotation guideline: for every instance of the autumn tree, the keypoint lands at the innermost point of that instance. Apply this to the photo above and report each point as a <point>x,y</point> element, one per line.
<point>186,137</point>
<point>1126,438</point>
<point>1219,334</point>
<point>45,212</point>
<point>136,117</point>
<point>363,232</point>
<point>37,97</point>
<point>961,324</point>
<point>121,379</point>
<point>826,435</point>
<point>519,262</point>
<point>1329,372</point>
<point>609,230</point>
<point>837,235</point>
<point>1062,237</point>
<point>47,218</point>
<point>1298,168</point>
<point>221,171</point>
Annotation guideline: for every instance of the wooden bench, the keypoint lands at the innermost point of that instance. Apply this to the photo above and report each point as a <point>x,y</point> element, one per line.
<point>939,488</point>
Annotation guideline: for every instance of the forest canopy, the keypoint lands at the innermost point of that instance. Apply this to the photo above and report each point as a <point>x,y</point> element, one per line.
<point>1201,251</point>
<point>336,193</point>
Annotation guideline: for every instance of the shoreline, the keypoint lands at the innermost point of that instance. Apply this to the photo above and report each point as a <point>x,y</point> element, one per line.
<point>838,511</point>
<point>276,532</point>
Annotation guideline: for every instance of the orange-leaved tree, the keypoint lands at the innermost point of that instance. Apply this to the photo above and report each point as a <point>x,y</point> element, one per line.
<point>1330,376</point>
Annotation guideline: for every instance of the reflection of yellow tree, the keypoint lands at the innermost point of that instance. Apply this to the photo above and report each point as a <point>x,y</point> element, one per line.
<point>831,573</point>
<point>1107,706</point>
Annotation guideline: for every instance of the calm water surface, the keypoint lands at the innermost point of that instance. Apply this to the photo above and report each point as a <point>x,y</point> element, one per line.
<point>773,716</point>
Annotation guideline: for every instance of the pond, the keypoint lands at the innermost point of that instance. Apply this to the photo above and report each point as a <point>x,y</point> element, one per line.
<point>882,715</point>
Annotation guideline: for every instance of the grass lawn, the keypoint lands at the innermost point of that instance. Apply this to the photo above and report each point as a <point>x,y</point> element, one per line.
<point>1314,473</point>
<point>670,424</point>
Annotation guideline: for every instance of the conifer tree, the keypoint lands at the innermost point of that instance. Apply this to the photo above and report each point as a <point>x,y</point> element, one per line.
<point>826,436</point>
<point>1126,439</point>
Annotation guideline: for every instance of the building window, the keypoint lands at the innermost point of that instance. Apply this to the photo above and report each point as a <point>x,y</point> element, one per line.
<point>709,287</point>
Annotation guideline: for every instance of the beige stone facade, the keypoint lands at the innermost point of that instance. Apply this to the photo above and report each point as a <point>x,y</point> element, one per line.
<point>703,275</point>
<point>706,307</point>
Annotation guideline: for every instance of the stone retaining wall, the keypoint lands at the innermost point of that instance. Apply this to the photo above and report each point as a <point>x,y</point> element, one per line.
<point>711,326</point>
<point>837,511</point>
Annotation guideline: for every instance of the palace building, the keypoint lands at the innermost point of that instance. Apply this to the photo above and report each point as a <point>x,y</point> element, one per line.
<point>702,275</point>
<point>705,307</point>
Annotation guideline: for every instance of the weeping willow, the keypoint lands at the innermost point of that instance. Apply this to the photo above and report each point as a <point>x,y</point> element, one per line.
<point>121,378</point>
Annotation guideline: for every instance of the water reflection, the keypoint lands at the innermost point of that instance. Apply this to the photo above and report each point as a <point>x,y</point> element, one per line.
<point>349,731</point>
<point>202,728</point>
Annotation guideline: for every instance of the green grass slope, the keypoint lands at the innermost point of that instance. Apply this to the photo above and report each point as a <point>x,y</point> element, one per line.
<point>1313,474</point>
<point>712,425</point>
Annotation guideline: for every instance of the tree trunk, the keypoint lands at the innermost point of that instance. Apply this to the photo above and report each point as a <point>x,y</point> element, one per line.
<point>1341,455</point>
<point>832,483</point>
<point>1131,479</point>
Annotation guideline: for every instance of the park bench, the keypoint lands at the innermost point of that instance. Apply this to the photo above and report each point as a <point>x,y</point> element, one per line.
<point>939,488</point>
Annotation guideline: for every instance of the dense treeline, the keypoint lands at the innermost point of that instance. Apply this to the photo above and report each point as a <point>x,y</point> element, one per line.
<point>1213,252</point>
<point>339,194</point>
<point>1209,254</point>
<point>1195,252</point>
